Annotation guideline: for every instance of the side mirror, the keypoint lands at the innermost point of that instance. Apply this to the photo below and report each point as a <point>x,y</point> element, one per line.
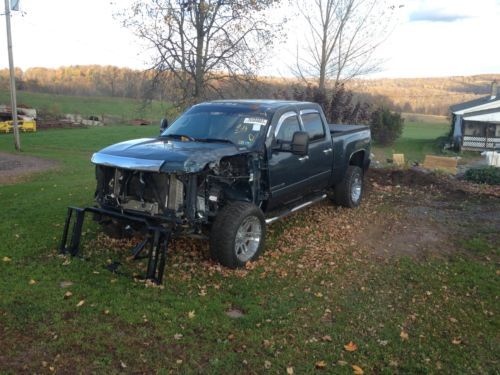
<point>163,125</point>
<point>300,143</point>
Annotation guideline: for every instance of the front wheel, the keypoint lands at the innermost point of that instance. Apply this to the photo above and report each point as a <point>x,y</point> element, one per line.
<point>349,191</point>
<point>238,234</point>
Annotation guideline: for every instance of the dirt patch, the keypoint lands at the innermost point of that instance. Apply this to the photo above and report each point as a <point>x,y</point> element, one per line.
<point>14,168</point>
<point>418,177</point>
<point>427,214</point>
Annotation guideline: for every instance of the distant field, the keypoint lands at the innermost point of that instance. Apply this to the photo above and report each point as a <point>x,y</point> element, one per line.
<point>87,105</point>
<point>420,117</point>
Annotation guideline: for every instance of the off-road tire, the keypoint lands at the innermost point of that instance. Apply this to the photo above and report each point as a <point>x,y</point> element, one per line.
<point>224,230</point>
<point>343,191</point>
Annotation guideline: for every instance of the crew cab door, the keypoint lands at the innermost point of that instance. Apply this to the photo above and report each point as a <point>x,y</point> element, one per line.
<point>320,162</point>
<point>288,174</point>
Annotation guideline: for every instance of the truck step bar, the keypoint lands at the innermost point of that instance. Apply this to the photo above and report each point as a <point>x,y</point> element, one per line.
<point>157,238</point>
<point>295,209</point>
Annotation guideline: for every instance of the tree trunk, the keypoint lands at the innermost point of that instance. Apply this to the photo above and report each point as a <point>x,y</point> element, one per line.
<point>200,38</point>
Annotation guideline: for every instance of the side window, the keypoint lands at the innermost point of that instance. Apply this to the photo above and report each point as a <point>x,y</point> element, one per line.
<point>313,125</point>
<point>289,126</point>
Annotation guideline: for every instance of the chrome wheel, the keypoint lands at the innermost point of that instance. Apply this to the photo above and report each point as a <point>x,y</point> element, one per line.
<point>248,238</point>
<point>356,187</point>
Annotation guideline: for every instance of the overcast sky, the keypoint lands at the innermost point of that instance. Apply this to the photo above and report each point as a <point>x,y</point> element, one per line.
<point>431,38</point>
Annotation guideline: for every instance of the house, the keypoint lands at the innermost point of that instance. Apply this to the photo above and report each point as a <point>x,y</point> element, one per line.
<point>476,124</point>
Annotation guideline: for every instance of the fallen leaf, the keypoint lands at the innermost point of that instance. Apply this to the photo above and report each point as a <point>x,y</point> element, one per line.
<point>231,336</point>
<point>327,338</point>
<point>234,313</point>
<point>123,364</point>
<point>179,361</point>
<point>456,341</point>
<point>6,259</point>
<point>191,314</point>
<point>79,304</point>
<point>341,363</point>
<point>32,282</point>
<point>320,364</point>
<point>289,370</point>
<point>453,320</point>
<point>404,335</point>
<point>178,336</point>
<point>351,347</point>
<point>65,284</point>
<point>267,364</point>
<point>357,370</point>
<point>67,294</point>
<point>106,312</point>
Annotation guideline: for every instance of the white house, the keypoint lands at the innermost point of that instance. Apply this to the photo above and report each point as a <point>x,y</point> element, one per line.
<point>476,124</point>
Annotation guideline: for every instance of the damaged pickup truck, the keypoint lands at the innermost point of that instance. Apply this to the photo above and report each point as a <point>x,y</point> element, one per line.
<point>225,169</point>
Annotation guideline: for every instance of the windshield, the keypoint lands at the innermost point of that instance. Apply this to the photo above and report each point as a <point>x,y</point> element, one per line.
<point>240,125</point>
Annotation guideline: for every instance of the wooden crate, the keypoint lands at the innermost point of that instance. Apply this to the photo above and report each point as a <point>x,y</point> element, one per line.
<point>398,159</point>
<point>440,163</point>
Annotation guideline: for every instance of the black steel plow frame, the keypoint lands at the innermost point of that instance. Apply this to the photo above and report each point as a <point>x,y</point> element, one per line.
<point>158,238</point>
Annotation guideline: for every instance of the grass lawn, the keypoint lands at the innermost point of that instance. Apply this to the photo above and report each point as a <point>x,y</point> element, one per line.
<point>89,105</point>
<point>418,139</point>
<point>314,291</point>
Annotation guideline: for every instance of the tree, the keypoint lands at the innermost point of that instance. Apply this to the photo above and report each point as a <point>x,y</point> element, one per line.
<point>199,42</point>
<point>386,126</point>
<point>338,107</point>
<point>343,36</point>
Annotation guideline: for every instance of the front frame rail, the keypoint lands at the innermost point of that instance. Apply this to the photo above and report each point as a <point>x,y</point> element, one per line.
<point>157,237</point>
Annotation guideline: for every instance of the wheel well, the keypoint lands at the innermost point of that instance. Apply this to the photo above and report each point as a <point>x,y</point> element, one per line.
<point>357,158</point>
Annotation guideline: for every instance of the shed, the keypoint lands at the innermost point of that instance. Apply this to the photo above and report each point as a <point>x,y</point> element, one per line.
<point>476,124</point>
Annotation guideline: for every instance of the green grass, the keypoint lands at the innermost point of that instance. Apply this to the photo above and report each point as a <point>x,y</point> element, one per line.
<point>362,300</point>
<point>124,108</point>
<point>417,140</point>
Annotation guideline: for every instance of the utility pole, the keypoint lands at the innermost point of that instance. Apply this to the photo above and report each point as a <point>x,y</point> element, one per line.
<point>13,103</point>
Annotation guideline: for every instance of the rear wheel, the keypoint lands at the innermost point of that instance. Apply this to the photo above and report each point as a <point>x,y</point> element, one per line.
<point>349,191</point>
<point>238,234</point>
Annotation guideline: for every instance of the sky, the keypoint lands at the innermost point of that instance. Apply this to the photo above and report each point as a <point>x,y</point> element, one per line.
<point>430,38</point>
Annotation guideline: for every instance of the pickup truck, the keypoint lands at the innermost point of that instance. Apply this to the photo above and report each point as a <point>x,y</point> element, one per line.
<point>225,169</point>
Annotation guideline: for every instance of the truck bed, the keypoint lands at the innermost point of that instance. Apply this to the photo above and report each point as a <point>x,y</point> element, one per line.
<point>341,129</point>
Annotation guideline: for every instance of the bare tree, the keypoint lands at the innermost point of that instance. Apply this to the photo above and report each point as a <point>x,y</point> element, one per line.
<point>198,43</point>
<point>343,37</point>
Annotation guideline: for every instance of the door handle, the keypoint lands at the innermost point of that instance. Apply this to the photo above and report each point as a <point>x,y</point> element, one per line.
<point>327,150</point>
<point>304,158</point>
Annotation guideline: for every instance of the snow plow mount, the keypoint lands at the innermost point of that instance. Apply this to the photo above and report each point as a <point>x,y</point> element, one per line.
<point>157,238</point>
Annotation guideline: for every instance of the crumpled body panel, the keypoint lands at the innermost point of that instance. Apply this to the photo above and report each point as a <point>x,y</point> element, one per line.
<point>162,155</point>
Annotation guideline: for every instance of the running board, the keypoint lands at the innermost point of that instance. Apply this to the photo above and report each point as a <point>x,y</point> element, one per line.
<point>295,209</point>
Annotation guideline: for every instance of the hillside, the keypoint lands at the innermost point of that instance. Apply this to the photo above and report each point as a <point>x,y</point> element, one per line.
<point>96,84</point>
<point>427,95</point>
<point>124,108</point>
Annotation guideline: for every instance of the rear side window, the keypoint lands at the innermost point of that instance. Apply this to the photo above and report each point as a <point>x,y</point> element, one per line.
<point>288,127</point>
<point>313,125</point>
